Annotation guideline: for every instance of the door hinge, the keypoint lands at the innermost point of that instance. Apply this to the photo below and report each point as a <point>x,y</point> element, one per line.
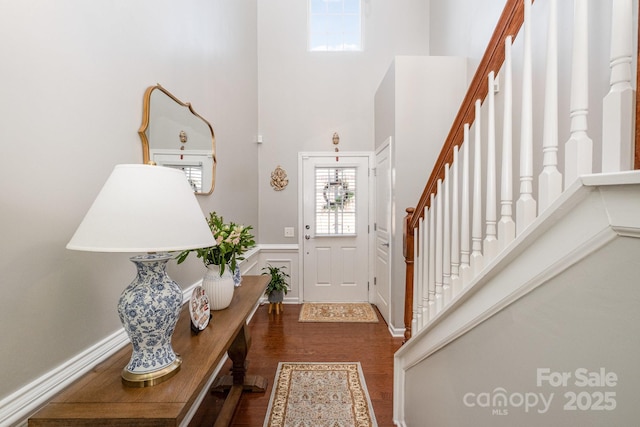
<point>375,281</point>
<point>375,226</point>
<point>367,285</point>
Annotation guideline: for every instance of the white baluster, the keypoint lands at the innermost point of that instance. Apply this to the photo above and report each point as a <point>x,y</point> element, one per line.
<point>490,244</point>
<point>465,235</point>
<point>578,150</point>
<point>550,179</point>
<point>506,225</point>
<point>425,268</point>
<point>416,323</point>
<point>446,239</point>
<point>439,246</point>
<point>432,258</point>
<point>456,281</point>
<point>618,106</point>
<point>526,204</point>
<point>476,226</point>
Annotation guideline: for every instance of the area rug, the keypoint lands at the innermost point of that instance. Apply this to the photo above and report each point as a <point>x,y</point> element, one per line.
<point>319,395</point>
<point>337,312</point>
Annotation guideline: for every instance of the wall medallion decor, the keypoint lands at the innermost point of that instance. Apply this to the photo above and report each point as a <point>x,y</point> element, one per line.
<point>279,179</point>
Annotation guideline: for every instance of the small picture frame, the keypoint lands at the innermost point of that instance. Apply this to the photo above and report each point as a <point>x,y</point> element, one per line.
<point>199,309</point>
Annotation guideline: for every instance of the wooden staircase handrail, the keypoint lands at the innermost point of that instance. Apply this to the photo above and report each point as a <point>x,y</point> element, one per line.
<point>509,24</point>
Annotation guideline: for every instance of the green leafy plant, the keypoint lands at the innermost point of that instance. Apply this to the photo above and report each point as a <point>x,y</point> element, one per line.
<point>232,240</point>
<point>278,280</point>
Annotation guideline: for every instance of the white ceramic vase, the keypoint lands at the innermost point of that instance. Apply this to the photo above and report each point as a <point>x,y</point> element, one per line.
<point>219,288</point>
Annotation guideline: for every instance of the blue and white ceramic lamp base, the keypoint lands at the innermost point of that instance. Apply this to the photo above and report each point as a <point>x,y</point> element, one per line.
<point>149,309</point>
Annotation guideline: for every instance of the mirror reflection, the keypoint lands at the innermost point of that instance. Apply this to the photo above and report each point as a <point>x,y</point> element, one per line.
<point>174,135</point>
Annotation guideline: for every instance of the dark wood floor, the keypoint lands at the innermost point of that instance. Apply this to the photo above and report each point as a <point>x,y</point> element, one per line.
<point>281,338</point>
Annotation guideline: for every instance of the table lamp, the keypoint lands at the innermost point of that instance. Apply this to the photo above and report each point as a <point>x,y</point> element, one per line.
<point>150,209</point>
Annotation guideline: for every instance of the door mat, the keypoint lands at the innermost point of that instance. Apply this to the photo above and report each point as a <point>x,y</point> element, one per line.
<point>338,312</point>
<point>319,395</point>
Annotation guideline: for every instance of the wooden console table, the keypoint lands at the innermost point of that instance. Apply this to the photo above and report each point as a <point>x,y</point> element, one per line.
<point>100,398</point>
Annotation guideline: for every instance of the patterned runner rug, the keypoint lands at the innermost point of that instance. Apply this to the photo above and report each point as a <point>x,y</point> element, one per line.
<point>320,395</point>
<point>337,312</point>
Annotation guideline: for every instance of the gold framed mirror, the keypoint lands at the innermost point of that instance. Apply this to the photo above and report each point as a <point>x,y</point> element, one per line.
<point>174,135</point>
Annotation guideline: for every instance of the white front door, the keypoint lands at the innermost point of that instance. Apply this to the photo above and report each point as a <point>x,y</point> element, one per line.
<point>335,225</point>
<point>383,186</point>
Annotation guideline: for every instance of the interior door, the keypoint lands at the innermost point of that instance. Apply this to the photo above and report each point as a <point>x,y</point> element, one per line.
<point>383,192</point>
<point>335,197</point>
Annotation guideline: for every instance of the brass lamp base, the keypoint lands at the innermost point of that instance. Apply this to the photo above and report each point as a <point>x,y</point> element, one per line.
<point>149,379</point>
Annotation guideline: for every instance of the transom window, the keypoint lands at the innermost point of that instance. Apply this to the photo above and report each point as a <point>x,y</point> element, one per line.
<point>335,25</point>
<point>335,195</point>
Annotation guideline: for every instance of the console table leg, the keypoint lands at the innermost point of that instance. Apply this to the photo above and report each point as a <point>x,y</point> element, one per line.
<point>229,407</point>
<point>238,355</point>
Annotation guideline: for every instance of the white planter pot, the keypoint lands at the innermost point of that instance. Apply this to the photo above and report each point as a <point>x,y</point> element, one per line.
<point>219,288</point>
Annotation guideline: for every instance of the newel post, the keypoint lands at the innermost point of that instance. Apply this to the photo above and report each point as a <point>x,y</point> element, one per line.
<point>407,250</point>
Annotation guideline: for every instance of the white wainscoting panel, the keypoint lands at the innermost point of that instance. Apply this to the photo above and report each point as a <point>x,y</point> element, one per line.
<point>284,256</point>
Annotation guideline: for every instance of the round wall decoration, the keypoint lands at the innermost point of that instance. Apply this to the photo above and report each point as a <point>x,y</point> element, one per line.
<point>279,180</point>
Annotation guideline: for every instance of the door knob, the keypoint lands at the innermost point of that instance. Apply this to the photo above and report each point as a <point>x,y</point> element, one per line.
<point>386,244</point>
<point>306,236</point>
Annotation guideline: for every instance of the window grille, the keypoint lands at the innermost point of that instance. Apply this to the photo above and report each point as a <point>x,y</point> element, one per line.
<point>335,25</point>
<point>335,201</point>
<point>193,173</point>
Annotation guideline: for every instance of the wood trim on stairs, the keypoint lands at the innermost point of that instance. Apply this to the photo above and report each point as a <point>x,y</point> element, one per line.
<point>508,25</point>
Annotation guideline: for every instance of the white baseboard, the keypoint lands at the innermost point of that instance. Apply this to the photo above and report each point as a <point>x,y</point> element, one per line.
<point>16,408</point>
<point>396,332</point>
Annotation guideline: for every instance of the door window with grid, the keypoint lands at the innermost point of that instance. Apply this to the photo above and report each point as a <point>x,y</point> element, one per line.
<point>335,201</point>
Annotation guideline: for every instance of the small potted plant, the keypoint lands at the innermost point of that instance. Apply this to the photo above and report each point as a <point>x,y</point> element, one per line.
<point>277,287</point>
<point>232,240</point>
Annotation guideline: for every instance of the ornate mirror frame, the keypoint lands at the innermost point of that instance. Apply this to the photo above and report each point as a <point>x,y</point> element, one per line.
<point>174,135</point>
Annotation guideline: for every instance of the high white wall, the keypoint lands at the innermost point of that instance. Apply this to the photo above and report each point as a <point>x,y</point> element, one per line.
<point>305,97</point>
<point>73,76</point>
<point>415,105</point>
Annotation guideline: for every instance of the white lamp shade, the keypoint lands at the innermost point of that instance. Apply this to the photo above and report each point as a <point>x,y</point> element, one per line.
<point>143,208</point>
